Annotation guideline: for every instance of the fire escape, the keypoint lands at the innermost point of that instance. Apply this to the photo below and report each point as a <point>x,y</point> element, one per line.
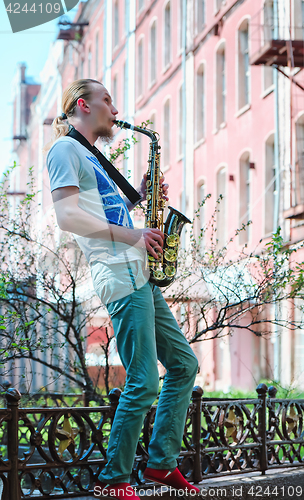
<point>282,46</point>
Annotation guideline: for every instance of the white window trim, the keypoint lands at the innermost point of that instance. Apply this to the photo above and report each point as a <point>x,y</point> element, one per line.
<point>266,235</point>
<point>249,153</point>
<point>97,66</point>
<point>220,45</point>
<point>179,153</point>
<point>244,18</point>
<point>202,64</point>
<point>223,166</point>
<point>167,98</point>
<point>140,96</point>
<point>152,82</point>
<point>166,67</point>
<point>116,45</point>
<point>199,143</point>
<point>139,11</point>
<point>242,110</point>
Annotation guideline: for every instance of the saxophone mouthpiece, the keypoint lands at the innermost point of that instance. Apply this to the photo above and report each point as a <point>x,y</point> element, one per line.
<point>122,124</point>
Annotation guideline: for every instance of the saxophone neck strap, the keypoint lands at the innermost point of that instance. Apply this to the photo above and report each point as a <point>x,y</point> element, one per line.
<point>112,172</point>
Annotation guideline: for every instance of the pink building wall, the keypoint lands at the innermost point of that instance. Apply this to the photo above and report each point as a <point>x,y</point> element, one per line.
<point>239,361</point>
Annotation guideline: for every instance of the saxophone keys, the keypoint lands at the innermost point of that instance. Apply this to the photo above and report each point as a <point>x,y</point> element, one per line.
<point>170,255</point>
<point>158,274</point>
<point>172,240</point>
<point>170,271</point>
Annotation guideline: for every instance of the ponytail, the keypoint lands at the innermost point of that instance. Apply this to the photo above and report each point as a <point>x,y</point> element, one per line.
<point>80,89</point>
<point>60,127</point>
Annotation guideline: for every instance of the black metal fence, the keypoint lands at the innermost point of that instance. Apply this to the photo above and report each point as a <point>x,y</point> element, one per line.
<point>59,452</point>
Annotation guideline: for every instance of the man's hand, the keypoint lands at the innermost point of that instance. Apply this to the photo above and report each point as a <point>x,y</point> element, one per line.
<point>154,241</point>
<point>143,188</point>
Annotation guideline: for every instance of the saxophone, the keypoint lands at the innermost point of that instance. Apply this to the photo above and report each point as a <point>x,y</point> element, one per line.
<point>162,271</point>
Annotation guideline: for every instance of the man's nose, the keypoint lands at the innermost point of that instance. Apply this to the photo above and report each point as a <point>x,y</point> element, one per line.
<point>114,111</point>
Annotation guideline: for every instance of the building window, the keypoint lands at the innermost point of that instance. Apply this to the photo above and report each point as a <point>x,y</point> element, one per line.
<point>167,133</point>
<point>243,65</point>
<point>140,5</point>
<point>200,103</point>
<point>116,24</point>
<point>220,86</point>
<point>268,23</point>
<point>200,15</point>
<point>89,63</point>
<point>81,68</point>
<point>70,53</point>
<point>299,173</point>
<point>125,88</point>
<point>167,45</point>
<point>267,77</point>
<point>114,93</point>
<point>153,53</point>
<point>218,4</point>
<point>97,54</point>
<point>181,119</point>
<point>221,216</point>
<point>139,158</point>
<point>140,67</point>
<point>180,25</point>
<point>298,344</point>
<point>270,185</point>
<point>298,22</point>
<point>153,121</point>
<point>244,195</point>
<point>127,14</point>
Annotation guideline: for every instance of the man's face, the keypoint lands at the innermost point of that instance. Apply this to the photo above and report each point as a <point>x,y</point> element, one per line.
<point>103,112</point>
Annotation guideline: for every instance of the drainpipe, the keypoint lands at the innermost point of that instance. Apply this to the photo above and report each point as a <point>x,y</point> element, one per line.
<point>184,125</point>
<point>276,338</point>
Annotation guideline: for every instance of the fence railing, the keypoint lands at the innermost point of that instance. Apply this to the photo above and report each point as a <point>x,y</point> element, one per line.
<point>59,452</point>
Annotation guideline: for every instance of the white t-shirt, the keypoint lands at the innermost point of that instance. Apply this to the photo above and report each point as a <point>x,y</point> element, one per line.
<point>70,163</point>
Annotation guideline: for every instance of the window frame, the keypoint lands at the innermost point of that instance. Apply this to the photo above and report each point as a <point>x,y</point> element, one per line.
<point>244,160</point>
<point>115,25</point>
<point>152,80</point>
<point>167,132</point>
<point>200,73</point>
<point>167,52</point>
<point>222,240</point>
<point>220,95</point>
<point>268,184</point>
<point>140,73</point>
<point>244,79</point>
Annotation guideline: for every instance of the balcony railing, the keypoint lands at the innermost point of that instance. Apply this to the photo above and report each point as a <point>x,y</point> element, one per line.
<point>274,42</point>
<point>59,452</point>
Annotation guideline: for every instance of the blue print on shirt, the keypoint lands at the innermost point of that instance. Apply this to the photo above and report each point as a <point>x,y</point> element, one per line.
<point>113,204</point>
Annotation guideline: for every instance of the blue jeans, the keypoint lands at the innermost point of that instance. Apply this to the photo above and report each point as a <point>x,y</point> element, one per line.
<point>146,330</point>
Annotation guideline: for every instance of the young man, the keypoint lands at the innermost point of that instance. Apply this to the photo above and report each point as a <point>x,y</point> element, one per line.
<point>88,204</point>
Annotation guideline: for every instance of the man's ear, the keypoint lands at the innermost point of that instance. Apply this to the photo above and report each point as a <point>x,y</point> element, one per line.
<point>82,104</point>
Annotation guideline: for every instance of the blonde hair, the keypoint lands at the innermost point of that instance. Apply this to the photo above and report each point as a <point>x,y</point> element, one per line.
<point>79,89</point>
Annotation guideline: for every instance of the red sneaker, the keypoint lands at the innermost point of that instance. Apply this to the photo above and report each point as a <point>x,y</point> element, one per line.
<point>121,491</point>
<point>174,479</point>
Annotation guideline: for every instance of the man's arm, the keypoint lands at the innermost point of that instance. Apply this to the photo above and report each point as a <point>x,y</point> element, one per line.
<point>75,220</point>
